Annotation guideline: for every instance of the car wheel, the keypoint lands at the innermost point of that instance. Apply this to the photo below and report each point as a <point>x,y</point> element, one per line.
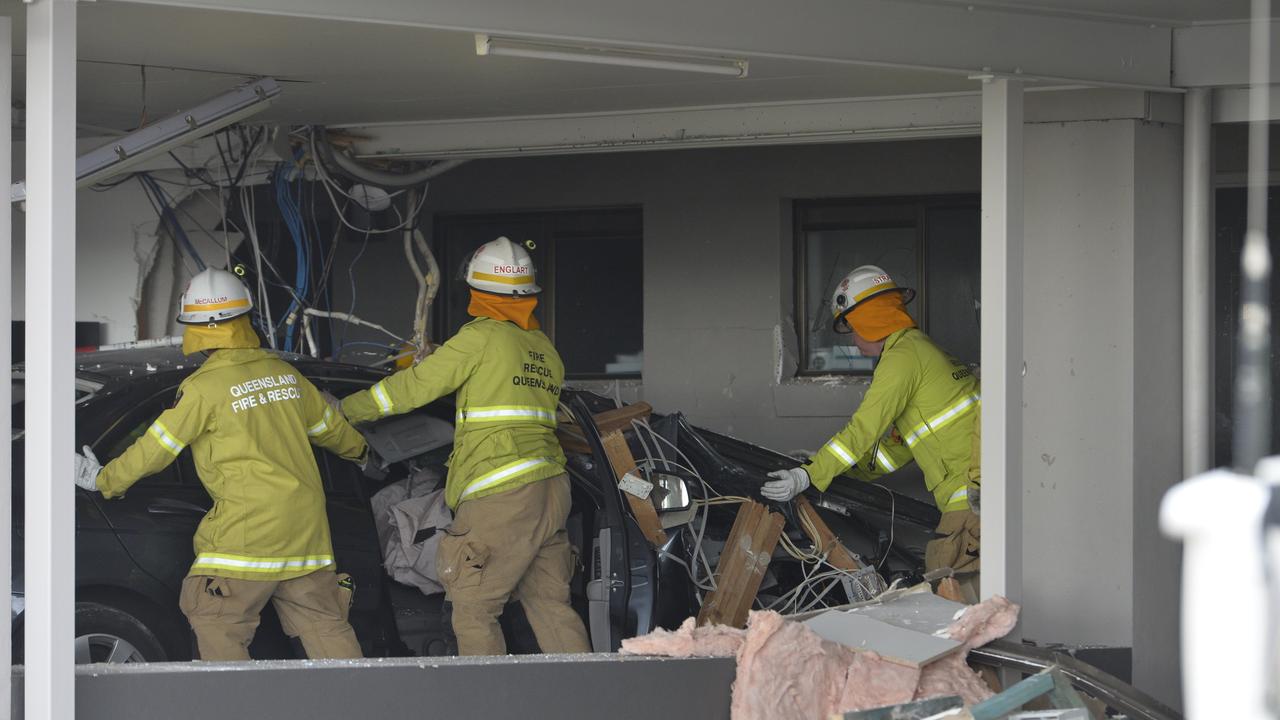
<point>107,635</point>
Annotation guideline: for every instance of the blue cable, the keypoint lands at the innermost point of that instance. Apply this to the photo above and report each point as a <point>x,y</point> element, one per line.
<point>167,215</point>
<point>293,222</point>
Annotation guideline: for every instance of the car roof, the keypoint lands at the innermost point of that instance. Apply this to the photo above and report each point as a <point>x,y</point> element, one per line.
<point>100,369</point>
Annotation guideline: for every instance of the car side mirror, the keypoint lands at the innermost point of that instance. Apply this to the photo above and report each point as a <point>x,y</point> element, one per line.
<point>672,493</point>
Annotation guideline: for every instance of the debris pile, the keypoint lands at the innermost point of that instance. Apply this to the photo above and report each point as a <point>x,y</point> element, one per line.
<point>694,496</point>
<point>787,669</point>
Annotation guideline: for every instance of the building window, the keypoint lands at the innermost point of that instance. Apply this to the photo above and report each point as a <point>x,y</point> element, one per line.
<point>927,243</point>
<point>590,267</point>
<point>1230,215</point>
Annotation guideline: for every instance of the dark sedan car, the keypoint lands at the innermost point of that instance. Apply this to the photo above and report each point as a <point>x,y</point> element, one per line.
<point>133,552</point>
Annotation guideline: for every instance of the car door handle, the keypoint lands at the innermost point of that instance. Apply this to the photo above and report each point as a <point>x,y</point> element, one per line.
<point>169,506</point>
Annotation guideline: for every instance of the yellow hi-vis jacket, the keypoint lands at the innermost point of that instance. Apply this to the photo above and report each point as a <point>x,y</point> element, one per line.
<point>508,383</point>
<point>250,420</point>
<point>933,400</point>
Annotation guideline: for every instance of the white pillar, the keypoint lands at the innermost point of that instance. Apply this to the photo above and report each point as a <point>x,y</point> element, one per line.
<point>6,318</point>
<point>1001,500</point>
<point>50,360</point>
<point>1197,283</point>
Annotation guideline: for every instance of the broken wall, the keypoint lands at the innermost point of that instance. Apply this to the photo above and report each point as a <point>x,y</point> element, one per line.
<point>128,275</point>
<point>717,264</point>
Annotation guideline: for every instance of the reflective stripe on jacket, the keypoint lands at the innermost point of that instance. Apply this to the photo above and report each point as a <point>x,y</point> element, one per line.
<point>933,400</point>
<point>508,383</point>
<point>250,420</point>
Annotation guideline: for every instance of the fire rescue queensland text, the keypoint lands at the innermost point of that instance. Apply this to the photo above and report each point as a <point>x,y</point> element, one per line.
<point>537,375</point>
<point>264,391</point>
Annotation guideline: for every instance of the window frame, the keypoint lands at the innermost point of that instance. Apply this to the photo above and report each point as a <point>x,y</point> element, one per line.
<point>917,207</point>
<point>449,267</point>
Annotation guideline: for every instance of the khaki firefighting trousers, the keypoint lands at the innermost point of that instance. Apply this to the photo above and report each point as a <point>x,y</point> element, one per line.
<point>512,545</point>
<point>223,613</point>
<point>956,545</point>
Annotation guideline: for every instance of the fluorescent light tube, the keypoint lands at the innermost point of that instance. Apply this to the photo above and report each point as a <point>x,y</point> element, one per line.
<point>175,130</point>
<point>489,45</point>
<point>161,137</point>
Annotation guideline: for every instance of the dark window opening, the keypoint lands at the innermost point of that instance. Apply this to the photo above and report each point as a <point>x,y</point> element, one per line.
<point>590,267</point>
<point>1230,224</point>
<point>931,244</point>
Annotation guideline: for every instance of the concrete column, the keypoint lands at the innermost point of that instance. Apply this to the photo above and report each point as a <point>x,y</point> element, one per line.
<point>50,360</point>
<point>1197,283</point>
<point>1002,240</point>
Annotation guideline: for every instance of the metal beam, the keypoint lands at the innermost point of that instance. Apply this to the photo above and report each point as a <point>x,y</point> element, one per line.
<point>50,322</point>
<point>1217,54</point>
<point>1231,105</point>
<point>529,686</point>
<point>955,38</point>
<point>768,124</point>
<point>6,355</point>
<point>1197,284</point>
<point>845,120</point>
<point>1002,356</point>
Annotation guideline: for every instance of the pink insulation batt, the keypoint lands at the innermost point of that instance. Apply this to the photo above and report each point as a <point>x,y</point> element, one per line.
<point>786,672</point>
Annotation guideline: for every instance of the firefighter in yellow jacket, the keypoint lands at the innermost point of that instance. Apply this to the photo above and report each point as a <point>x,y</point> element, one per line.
<point>922,405</point>
<point>250,420</point>
<point>507,483</point>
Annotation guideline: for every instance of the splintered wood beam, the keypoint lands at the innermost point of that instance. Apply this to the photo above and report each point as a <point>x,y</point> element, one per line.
<point>572,440</point>
<point>825,541</point>
<point>742,566</point>
<point>623,462</point>
<point>620,418</point>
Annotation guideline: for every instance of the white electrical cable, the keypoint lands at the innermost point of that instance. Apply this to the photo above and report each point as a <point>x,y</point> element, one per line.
<point>346,317</point>
<point>306,334</point>
<point>680,453</point>
<point>893,517</point>
<point>330,184</point>
<point>428,286</point>
<point>696,553</point>
<point>247,205</point>
<point>819,576</point>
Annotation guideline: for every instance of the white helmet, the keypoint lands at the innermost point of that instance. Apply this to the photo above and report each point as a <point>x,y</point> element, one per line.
<point>859,286</point>
<point>214,296</point>
<point>503,268</point>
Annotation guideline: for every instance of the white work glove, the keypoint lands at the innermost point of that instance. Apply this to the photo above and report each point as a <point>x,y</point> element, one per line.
<point>788,484</point>
<point>87,469</point>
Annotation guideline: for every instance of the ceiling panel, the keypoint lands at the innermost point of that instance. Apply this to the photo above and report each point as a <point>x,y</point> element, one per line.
<point>335,72</point>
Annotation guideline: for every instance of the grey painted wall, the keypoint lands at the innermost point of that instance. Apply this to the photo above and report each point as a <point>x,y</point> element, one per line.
<point>1157,422</point>
<point>1102,427</point>
<point>1077,426</point>
<point>717,262</point>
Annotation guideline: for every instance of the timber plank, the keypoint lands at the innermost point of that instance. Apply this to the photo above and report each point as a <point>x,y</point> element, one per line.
<point>824,539</point>
<point>623,462</point>
<point>742,566</point>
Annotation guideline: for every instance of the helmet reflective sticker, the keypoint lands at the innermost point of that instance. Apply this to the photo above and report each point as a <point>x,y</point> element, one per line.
<point>503,268</point>
<point>213,296</point>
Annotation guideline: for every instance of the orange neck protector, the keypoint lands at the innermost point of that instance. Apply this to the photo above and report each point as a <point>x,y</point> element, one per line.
<point>518,310</point>
<point>880,317</point>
